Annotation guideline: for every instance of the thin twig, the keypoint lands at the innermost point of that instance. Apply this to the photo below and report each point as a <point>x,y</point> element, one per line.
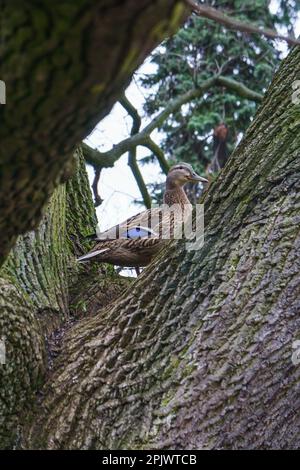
<point>218,16</point>
<point>97,197</point>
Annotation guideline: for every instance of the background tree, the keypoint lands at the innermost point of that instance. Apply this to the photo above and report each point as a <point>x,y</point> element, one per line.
<point>199,50</point>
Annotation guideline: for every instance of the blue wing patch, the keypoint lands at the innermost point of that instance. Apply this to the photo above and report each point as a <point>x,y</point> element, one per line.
<point>137,232</point>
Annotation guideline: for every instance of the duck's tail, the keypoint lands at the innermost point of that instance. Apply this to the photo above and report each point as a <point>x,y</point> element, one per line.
<point>91,254</point>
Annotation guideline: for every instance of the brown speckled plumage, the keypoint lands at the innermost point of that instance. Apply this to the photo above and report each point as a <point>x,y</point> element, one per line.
<point>117,245</point>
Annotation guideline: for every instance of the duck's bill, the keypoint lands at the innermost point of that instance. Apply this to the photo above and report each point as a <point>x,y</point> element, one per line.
<point>198,179</point>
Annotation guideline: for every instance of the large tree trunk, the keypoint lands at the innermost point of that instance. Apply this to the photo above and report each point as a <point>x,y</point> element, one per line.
<point>64,65</point>
<point>39,286</point>
<point>198,354</point>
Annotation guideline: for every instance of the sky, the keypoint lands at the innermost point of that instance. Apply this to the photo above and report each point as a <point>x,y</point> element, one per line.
<point>117,186</point>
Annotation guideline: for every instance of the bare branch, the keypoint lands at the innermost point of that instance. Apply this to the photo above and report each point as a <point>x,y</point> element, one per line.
<point>240,89</point>
<point>151,145</point>
<point>98,200</point>
<point>176,104</point>
<point>96,158</point>
<point>108,158</point>
<point>132,161</point>
<point>128,106</point>
<point>218,16</point>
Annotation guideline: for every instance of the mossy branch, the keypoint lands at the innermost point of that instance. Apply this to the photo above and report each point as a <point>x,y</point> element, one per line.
<point>133,112</point>
<point>240,89</point>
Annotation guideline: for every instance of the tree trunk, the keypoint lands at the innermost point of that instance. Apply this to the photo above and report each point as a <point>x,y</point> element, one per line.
<point>39,287</point>
<point>198,354</point>
<point>64,65</point>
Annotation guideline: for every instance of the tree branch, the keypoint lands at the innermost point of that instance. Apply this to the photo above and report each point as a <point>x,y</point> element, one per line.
<point>240,89</point>
<point>96,158</point>
<point>132,161</point>
<point>98,200</point>
<point>151,145</point>
<point>108,158</point>
<point>132,111</point>
<point>211,13</point>
<point>176,104</point>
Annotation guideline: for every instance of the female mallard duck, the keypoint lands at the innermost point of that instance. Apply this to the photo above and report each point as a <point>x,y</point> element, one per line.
<point>133,243</point>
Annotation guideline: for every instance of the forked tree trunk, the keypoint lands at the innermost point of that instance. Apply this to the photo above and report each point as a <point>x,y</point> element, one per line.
<point>198,353</point>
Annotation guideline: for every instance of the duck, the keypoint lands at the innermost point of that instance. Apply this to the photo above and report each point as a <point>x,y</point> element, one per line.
<point>137,240</point>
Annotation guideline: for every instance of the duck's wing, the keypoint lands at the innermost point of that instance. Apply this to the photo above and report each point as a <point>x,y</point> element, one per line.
<point>138,226</point>
<point>135,234</point>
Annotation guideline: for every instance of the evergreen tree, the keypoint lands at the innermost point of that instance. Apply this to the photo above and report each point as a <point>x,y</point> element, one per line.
<point>200,50</point>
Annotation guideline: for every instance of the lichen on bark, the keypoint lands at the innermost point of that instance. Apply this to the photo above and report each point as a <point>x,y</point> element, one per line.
<point>40,285</point>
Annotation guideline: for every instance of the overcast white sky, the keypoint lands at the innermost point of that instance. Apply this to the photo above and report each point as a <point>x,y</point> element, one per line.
<point>117,186</point>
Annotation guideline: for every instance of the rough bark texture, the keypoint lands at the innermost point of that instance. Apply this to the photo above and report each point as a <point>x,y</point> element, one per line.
<point>198,353</point>
<point>64,64</point>
<point>39,289</point>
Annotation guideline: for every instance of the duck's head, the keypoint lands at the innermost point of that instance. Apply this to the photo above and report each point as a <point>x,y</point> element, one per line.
<point>183,173</point>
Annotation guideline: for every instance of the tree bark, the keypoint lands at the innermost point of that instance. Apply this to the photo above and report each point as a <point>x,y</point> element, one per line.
<point>197,355</point>
<point>64,65</point>
<point>42,290</point>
